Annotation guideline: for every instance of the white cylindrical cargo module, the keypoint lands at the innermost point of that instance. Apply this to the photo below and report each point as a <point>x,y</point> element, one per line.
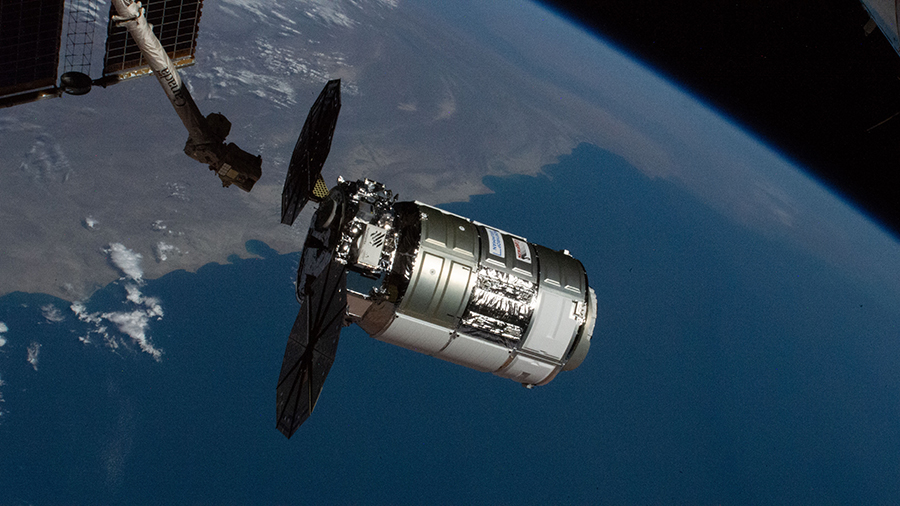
<point>461,291</point>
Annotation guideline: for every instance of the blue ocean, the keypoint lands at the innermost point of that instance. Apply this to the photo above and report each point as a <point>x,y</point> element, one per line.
<point>725,368</point>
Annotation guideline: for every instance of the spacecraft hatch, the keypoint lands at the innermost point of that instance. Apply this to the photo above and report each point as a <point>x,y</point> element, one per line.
<point>416,276</point>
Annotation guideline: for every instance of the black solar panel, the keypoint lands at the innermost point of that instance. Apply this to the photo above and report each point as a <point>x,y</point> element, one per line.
<point>30,32</point>
<point>313,342</point>
<point>174,24</point>
<point>304,177</point>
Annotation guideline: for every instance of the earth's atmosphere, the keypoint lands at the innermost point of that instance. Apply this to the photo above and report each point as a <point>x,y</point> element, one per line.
<point>747,343</point>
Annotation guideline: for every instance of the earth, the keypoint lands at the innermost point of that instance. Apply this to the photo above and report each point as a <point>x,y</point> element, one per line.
<point>747,342</point>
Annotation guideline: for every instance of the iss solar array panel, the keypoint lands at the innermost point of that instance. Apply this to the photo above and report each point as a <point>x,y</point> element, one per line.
<point>30,33</point>
<point>175,24</point>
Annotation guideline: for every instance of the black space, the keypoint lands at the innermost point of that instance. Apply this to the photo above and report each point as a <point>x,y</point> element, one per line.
<point>803,75</point>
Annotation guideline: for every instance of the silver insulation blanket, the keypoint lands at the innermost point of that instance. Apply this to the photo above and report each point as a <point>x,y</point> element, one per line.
<point>409,231</point>
<point>500,308</point>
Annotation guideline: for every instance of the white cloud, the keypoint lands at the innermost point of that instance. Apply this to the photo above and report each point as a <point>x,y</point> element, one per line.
<point>447,107</point>
<point>2,400</point>
<point>94,319</point>
<point>126,260</point>
<point>133,294</point>
<point>178,191</point>
<point>150,303</point>
<point>46,160</point>
<point>81,313</point>
<point>91,223</point>
<point>163,250</point>
<point>135,324</point>
<point>329,12</point>
<point>52,313</point>
<point>33,350</point>
<point>3,329</point>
